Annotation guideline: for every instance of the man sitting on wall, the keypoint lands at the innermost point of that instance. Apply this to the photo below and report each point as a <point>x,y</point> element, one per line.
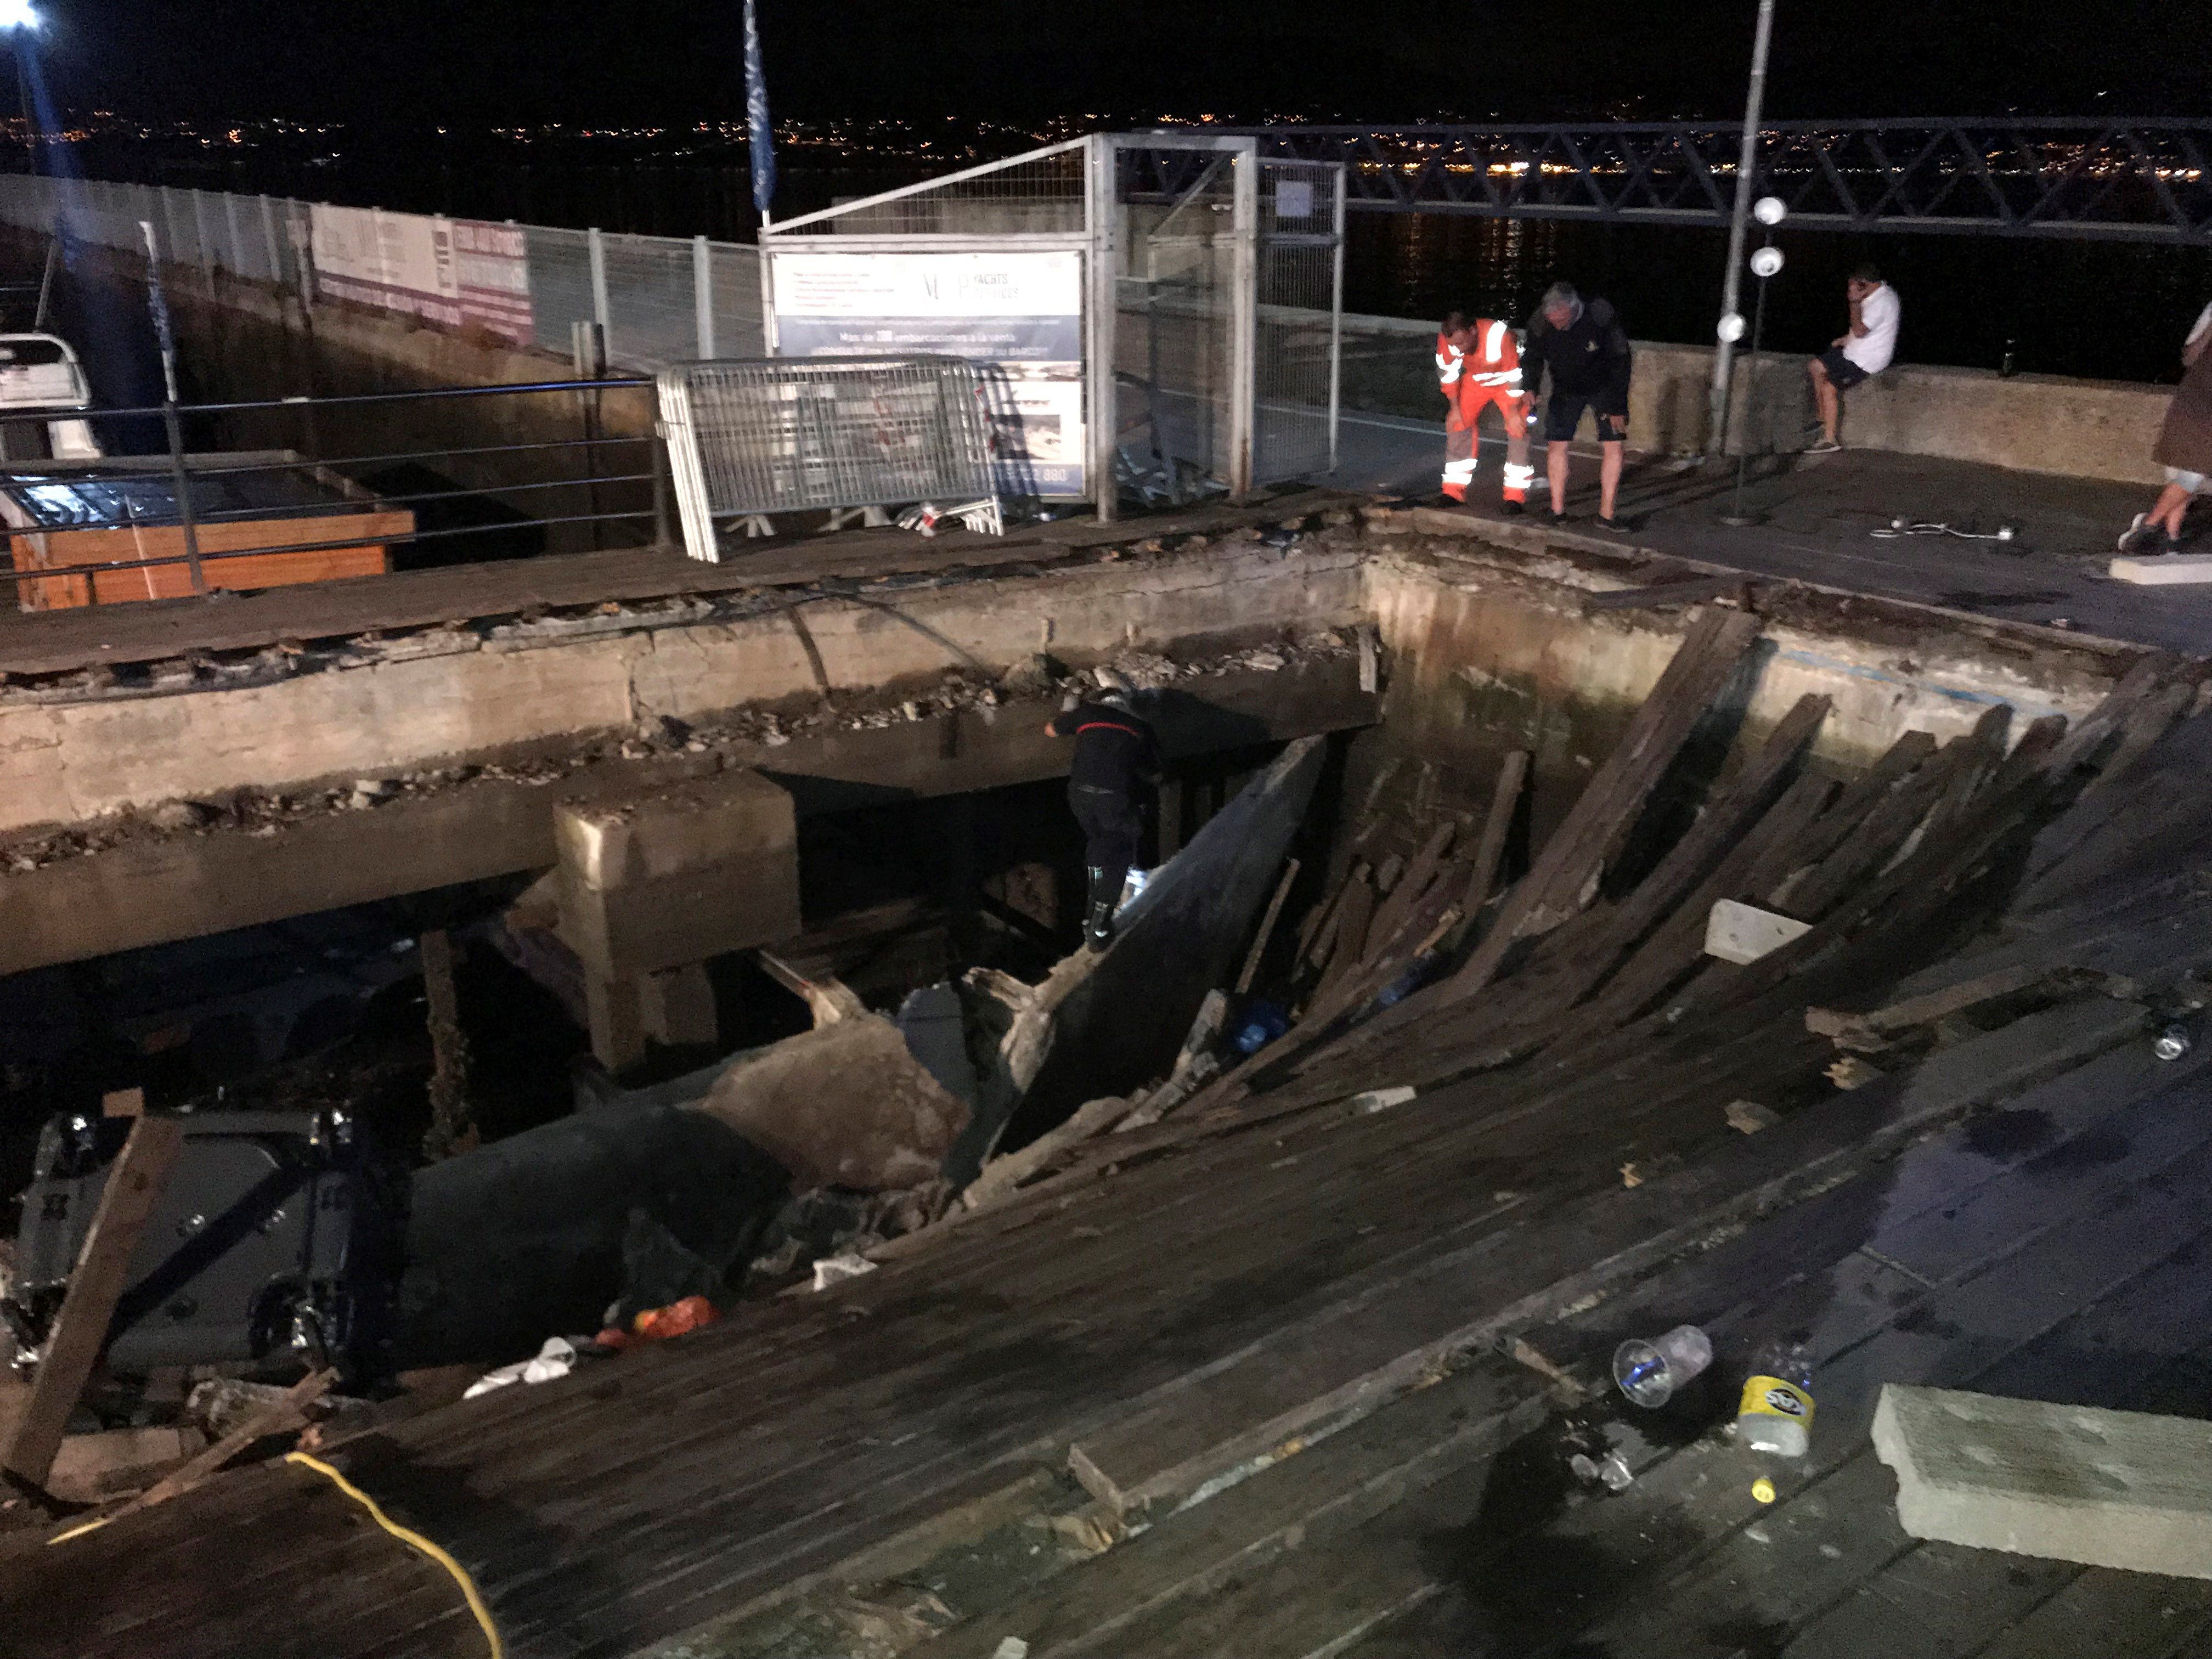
<point>1857,355</point>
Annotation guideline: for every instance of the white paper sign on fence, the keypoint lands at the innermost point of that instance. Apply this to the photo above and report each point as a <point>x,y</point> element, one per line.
<point>1022,312</point>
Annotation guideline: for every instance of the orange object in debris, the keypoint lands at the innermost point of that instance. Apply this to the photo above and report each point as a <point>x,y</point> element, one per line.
<point>657,1324</point>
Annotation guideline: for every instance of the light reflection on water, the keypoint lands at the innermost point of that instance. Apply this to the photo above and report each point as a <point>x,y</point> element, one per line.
<point>2111,310</point>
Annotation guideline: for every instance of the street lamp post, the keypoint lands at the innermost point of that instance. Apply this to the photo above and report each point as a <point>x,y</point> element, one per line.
<point>20,18</point>
<point>1765,263</point>
<point>1717,418</point>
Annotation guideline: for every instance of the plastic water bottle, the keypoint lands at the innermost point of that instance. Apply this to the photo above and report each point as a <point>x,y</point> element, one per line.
<point>1649,1372</point>
<point>1776,1413</point>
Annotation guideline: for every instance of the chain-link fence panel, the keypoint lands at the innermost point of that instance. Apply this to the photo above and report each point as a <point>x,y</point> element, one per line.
<point>560,284</point>
<point>1293,423</point>
<point>653,314</point>
<point>733,284</point>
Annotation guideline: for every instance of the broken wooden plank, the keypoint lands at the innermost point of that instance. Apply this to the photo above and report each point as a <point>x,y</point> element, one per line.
<point>1566,870</point>
<point>1929,1006</point>
<point>135,1183</point>
<point>828,997</point>
<point>1266,930</point>
<point>1390,914</point>
<point>277,1417</point>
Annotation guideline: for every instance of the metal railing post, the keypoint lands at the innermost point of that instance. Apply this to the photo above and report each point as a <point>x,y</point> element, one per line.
<point>597,247</point>
<point>1244,322</point>
<point>269,240</point>
<point>200,238</point>
<point>1336,321</point>
<point>1102,267</point>
<point>702,295</point>
<point>158,304</point>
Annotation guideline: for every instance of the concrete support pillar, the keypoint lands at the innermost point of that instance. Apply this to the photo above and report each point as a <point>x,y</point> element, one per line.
<point>650,889</point>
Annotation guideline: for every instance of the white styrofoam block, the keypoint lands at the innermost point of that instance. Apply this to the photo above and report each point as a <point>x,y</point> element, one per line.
<point>2071,1483</point>
<point>2163,568</point>
<point>1744,932</point>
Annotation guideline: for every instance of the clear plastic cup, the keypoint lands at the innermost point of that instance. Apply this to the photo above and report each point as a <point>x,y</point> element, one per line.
<point>1649,1372</point>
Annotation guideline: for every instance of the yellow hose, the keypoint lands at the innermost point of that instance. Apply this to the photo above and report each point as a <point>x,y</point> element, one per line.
<point>414,1539</point>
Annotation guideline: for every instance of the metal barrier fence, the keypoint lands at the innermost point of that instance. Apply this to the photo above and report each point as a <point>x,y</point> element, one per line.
<point>590,474</point>
<point>746,440</point>
<point>657,300</point>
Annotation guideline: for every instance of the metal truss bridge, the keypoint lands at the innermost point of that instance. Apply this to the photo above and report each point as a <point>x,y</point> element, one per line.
<point>2113,180</point>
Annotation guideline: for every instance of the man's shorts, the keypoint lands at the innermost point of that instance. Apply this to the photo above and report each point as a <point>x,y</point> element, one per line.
<point>1563,415</point>
<point>1842,372</point>
<point>2191,482</point>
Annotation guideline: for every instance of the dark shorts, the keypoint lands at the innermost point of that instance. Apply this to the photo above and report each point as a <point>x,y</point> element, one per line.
<point>1842,372</point>
<point>1564,414</point>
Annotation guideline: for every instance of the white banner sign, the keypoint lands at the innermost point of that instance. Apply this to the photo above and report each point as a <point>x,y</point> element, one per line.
<point>454,272</point>
<point>1022,312</point>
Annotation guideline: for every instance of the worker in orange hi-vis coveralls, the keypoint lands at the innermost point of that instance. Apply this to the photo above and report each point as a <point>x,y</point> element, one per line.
<point>1479,363</point>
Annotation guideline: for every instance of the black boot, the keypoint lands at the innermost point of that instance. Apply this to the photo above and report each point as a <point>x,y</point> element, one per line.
<point>1098,928</point>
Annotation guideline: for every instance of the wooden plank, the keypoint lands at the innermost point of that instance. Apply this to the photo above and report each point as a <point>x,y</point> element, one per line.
<point>1374,1343</point>
<point>275,1418</point>
<point>1566,870</point>
<point>1390,914</point>
<point>1266,928</point>
<point>1496,826</point>
<point>2104,1612</point>
<point>1929,1006</point>
<point>135,1183</point>
<point>1306,1496</point>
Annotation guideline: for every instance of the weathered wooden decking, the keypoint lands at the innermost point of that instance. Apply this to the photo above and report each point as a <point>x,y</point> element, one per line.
<point>1290,1311</point>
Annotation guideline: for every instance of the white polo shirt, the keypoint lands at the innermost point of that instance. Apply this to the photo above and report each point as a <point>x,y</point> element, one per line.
<point>1880,311</point>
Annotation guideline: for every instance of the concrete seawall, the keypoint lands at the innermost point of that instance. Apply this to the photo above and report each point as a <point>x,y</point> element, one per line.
<point>2035,422</point>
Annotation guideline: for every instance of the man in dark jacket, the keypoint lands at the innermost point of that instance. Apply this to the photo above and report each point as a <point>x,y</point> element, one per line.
<point>1585,348</point>
<point>1116,756</point>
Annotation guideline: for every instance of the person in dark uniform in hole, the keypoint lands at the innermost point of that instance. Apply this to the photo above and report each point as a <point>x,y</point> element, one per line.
<point>1117,756</point>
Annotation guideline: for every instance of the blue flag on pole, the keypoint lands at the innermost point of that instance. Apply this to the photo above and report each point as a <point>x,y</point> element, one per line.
<point>760,138</point>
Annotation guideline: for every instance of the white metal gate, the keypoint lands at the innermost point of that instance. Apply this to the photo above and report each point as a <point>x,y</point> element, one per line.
<point>1300,320</point>
<point>1157,313</point>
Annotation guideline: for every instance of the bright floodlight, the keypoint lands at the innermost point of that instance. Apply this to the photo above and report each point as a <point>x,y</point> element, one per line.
<point>1770,210</point>
<point>1731,327</point>
<point>19,14</point>
<point>1766,261</point>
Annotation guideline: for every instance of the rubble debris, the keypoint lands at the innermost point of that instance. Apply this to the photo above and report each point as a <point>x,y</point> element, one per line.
<point>1743,933</point>
<point>556,1359</point>
<point>845,1105</point>
<point>833,1269</point>
<point>1748,1117</point>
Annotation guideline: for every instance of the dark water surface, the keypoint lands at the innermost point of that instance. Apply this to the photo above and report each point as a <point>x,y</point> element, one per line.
<point>2108,310</point>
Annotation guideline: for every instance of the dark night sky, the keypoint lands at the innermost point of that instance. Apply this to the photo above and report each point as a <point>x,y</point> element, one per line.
<point>404,62</point>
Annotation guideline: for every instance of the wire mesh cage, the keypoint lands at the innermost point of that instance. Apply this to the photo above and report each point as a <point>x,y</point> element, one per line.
<point>1041,193</point>
<point>1300,302</point>
<point>749,438</point>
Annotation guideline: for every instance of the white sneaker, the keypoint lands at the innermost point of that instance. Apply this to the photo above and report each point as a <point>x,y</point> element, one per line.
<point>2137,537</point>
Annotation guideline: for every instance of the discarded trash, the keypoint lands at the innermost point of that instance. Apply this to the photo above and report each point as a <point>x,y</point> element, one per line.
<point>2172,1043</point>
<point>1264,1022</point>
<point>1012,1648</point>
<point>1613,1471</point>
<point>1131,885</point>
<point>1763,1490</point>
<point>1748,1117</point>
<point>659,1324</point>
<point>1649,1372</point>
<point>831,1268</point>
<point>1379,1100</point>
<point>1776,1413</point>
<point>556,1359</point>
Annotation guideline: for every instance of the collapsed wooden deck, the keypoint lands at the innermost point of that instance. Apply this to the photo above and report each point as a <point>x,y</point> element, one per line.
<point>1292,1310</point>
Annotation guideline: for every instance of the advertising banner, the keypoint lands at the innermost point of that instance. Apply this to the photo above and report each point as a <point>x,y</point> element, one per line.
<point>1020,311</point>
<point>453,272</point>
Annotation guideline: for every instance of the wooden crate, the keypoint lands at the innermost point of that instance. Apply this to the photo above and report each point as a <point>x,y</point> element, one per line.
<point>128,548</point>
